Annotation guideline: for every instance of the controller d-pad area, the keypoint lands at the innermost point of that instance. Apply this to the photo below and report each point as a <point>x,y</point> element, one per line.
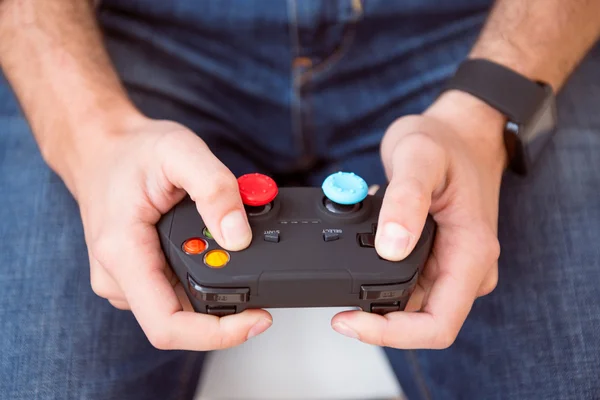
<point>367,239</point>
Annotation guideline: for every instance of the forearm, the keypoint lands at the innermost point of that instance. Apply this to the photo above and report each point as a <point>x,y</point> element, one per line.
<point>541,39</point>
<point>53,56</point>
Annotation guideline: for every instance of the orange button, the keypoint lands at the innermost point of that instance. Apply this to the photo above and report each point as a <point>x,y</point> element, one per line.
<point>194,246</point>
<point>216,258</point>
<point>302,62</point>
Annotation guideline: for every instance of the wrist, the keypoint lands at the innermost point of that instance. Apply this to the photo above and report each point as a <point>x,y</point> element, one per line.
<point>83,137</point>
<point>473,121</point>
<point>525,63</point>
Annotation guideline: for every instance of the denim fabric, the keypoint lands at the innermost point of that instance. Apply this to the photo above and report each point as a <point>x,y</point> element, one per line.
<point>295,86</point>
<point>299,89</point>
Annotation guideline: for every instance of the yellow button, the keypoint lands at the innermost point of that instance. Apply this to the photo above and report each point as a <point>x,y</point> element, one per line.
<point>216,258</point>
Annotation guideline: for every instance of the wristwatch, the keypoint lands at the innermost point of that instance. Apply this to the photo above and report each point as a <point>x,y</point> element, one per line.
<point>529,107</point>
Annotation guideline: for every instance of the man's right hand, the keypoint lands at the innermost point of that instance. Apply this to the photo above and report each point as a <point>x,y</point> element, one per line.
<point>124,180</point>
<point>124,169</point>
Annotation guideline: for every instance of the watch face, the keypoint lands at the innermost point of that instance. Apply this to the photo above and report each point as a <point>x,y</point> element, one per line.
<point>540,130</point>
<point>525,142</point>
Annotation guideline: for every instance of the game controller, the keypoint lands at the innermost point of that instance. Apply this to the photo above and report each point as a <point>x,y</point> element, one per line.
<point>311,247</point>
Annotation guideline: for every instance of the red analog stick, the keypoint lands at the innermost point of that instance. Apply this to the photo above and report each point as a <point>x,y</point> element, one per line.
<point>257,189</point>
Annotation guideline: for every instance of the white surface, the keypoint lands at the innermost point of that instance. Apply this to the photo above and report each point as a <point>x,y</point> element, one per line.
<point>299,357</point>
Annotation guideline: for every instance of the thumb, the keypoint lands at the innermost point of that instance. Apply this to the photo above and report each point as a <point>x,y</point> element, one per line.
<point>417,168</point>
<point>192,167</point>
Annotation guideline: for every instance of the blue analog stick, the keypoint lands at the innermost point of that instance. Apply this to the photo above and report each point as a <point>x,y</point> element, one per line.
<point>345,188</point>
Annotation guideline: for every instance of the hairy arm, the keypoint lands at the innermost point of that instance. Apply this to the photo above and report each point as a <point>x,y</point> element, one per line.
<point>541,39</point>
<point>53,56</point>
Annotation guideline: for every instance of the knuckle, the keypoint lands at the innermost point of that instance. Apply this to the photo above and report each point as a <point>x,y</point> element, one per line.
<point>492,248</point>
<point>121,305</point>
<point>215,340</point>
<point>102,284</point>
<point>493,280</point>
<point>178,139</point>
<point>225,341</point>
<point>101,289</point>
<point>427,145</point>
<point>104,248</point>
<point>411,189</point>
<point>387,337</point>
<point>444,339</point>
<point>488,287</point>
<point>220,186</point>
<point>160,338</point>
<point>223,337</point>
<point>488,250</point>
<point>490,283</point>
<point>404,126</point>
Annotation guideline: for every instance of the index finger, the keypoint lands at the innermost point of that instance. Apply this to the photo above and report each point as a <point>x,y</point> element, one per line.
<point>141,274</point>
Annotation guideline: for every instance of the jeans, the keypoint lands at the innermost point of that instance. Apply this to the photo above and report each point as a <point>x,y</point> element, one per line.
<point>298,90</point>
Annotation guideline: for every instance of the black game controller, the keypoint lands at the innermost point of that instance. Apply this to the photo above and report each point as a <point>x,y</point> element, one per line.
<point>311,247</point>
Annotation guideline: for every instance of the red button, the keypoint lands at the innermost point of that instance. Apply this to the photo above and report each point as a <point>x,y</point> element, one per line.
<point>257,189</point>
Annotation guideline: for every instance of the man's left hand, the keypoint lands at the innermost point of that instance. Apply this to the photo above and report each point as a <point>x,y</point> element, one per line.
<point>448,162</point>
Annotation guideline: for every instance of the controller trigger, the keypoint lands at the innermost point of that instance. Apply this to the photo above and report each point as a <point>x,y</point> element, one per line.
<point>385,308</point>
<point>220,311</point>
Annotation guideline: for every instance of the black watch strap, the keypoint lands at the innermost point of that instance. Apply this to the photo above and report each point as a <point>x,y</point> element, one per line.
<point>512,94</point>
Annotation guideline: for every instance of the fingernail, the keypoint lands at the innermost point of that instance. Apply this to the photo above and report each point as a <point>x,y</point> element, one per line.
<point>345,330</point>
<point>235,230</point>
<point>392,241</point>
<point>262,325</point>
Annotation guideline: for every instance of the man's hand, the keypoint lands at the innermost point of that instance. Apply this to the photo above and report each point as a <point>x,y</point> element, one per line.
<point>125,180</point>
<point>449,162</point>
<point>124,170</point>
